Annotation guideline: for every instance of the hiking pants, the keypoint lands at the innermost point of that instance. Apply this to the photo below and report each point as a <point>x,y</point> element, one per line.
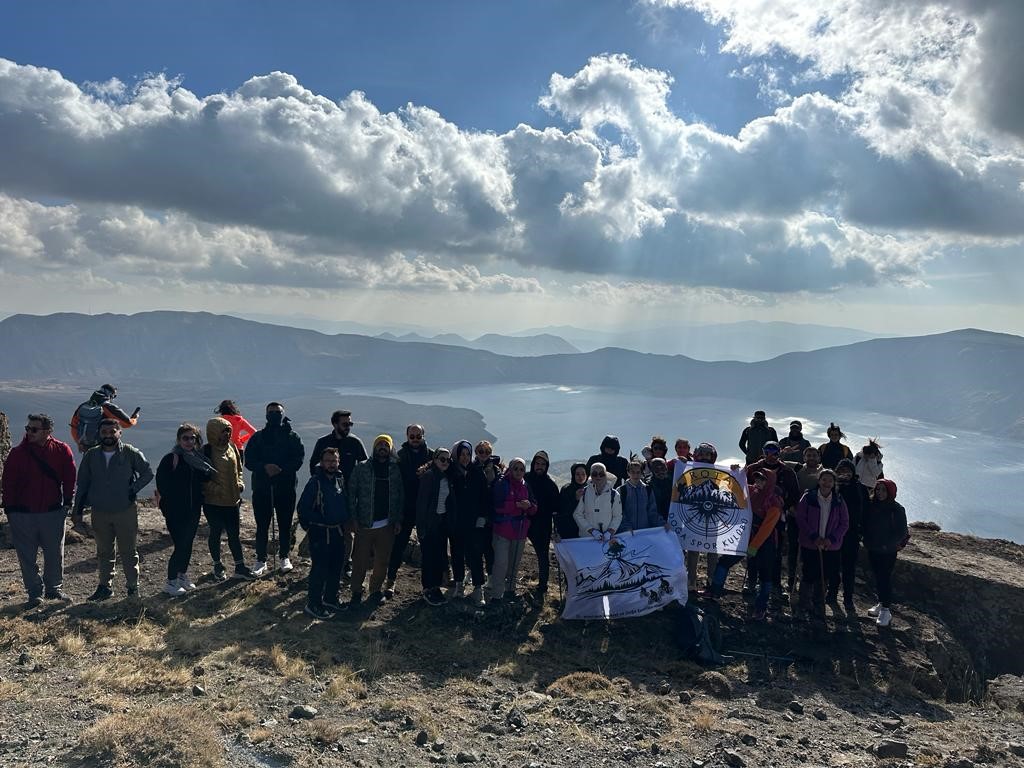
<point>540,537</point>
<point>507,554</point>
<point>267,502</point>
<point>882,565</point>
<point>121,528</point>
<point>375,544</point>
<point>30,532</point>
<point>399,547</point>
<point>221,519</point>
<point>467,549</point>
<point>182,524</point>
<point>761,565</point>
<point>848,567</point>
<point>327,553</point>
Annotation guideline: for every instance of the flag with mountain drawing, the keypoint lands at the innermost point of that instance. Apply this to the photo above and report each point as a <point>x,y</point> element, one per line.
<point>710,509</point>
<point>631,575</point>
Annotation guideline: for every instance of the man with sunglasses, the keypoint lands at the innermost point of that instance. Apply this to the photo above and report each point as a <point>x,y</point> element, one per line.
<point>412,456</point>
<point>110,478</point>
<point>38,487</point>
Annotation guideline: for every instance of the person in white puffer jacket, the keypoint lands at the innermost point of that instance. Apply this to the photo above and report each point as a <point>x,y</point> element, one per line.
<point>599,510</point>
<point>868,466</point>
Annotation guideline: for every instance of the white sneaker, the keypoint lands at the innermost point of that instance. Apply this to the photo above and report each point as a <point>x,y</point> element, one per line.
<point>185,582</point>
<point>457,591</point>
<point>174,589</point>
<point>884,618</point>
<point>286,565</point>
<point>259,568</point>
<point>477,598</point>
<point>875,610</point>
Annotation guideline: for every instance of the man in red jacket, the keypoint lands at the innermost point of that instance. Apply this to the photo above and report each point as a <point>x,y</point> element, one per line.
<point>38,487</point>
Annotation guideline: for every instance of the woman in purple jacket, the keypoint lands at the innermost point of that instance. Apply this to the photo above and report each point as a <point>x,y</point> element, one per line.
<point>822,520</point>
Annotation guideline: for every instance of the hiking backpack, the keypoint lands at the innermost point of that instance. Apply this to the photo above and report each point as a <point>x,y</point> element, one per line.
<point>700,636</point>
<point>89,415</point>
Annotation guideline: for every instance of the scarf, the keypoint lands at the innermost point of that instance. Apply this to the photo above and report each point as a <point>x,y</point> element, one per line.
<point>194,459</point>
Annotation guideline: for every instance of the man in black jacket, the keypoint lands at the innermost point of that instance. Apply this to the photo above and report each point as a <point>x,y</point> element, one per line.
<point>274,455</point>
<point>413,454</point>
<point>755,436</point>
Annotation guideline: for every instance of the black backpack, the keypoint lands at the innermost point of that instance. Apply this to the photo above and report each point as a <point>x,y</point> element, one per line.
<point>700,636</point>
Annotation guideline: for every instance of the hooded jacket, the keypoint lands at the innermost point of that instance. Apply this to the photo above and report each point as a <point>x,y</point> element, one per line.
<point>791,447</point>
<point>274,445</point>
<point>808,516</point>
<point>853,494</point>
<point>470,497</point>
<point>868,469</point>
<point>754,437</point>
<point>223,489</point>
<point>546,493</point>
<point>833,453</point>
<point>614,463</point>
<point>767,510</point>
<point>885,523</point>
<point>29,488</point>
<point>565,523</point>
<point>323,502</point>
<point>599,511</point>
<point>662,488</point>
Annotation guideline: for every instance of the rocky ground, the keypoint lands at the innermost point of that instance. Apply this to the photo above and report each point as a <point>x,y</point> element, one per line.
<point>235,675</point>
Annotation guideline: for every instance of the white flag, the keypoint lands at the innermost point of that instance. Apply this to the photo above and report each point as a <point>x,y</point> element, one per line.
<point>710,509</point>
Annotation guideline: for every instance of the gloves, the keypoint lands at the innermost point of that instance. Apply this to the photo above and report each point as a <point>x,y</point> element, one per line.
<point>481,522</point>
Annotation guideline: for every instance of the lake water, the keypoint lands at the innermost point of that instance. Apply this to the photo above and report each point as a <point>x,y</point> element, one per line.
<point>952,477</point>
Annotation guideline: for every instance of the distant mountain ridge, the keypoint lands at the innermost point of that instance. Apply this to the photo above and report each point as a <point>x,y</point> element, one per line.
<point>967,379</point>
<point>515,346</point>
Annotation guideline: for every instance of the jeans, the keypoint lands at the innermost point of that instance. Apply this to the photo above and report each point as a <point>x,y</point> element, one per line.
<point>30,532</point>
<point>182,524</point>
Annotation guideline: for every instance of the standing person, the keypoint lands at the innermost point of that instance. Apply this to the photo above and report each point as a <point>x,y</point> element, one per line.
<point>179,482</point>
<point>766,505</point>
<point>109,480</point>
<point>706,453</point>
<point>885,534</point>
<point>413,455</point>
<point>241,429</point>
<point>493,470</point>
<point>868,466</point>
<point>683,454</point>
<point>545,493</point>
<point>793,444</point>
<point>754,437</point>
<point>661,484</point>
<point>274,456</point>
<point>659,450</point>
<point>323,514</point>
<point>785,478</point>
<point>599,510</point>
<point>833,451</point>
<point>850,490</point>
<point>38,488</point>
<point>375,501</point>
<point>514,505</point>
<point>433,505</point>
<point>610,458</point>
<point>568,499</point>
<point>807,480</point>
<point>823,521</point>
<point>222,497</point>
<point>469,516</point>
<point>639,507</point>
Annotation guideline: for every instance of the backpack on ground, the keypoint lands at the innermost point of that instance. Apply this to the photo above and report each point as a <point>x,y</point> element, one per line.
<point>86,421</point>
<point>700,636</point>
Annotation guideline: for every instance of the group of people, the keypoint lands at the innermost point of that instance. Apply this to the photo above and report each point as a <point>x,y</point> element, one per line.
<point>471,512</point>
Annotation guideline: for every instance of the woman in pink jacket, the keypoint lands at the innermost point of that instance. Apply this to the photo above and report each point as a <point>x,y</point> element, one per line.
<point>513,507</point>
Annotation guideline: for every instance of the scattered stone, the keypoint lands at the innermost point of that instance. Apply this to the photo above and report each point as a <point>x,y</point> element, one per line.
<point>24,658</point>
<point>796,707</point>
<point>198,670</point>
<point>1016,748</point>
<point>516,718</point>
<point>655,748</point>
<point>716,684</point>
<point>1007,691</point>
<point>422,738</point>
<point>303,712</point>
<point>268,722</point>
<point>665,688</point>
<point>788,717</point>
<point>198,690</point>
<point>363,741</point>
<point>617,717</point>
<point>804,741</point>
<point>820,714</point>
<point>960,762</point>
<point>891,723</point>
<point>532,701</point>
<point>697,763</point>
<point>467,757</point>
<point>685,697</point>
<point>408,724</point>
<point>733,759</point>
<point>749,739</point>
<point>887,748</point>
<point>439,745</point>
<point>438,759</point>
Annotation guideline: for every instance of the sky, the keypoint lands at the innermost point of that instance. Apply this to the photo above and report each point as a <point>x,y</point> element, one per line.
<point>487,167</point>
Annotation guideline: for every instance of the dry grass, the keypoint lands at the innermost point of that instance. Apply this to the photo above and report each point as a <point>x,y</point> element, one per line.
<point>12,691</point>
<point>140,635</point>
<point>153,738</point>
<point>288,667</point>
<point>345,685</point>
<point>129,674</point>
<point>71,644</point>
<point>231,716</point>
<point>325,732</point>
<point>582,685</point>
<point>259,735</point>
<point>18,632</point>
<point>704,722</point>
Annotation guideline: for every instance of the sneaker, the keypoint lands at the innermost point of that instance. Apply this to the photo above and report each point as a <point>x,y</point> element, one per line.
<point>884,617</point>
<point>749,589</point>
<point>286,565</point>
<point>185,582</point>
<point>173,588</point>
<point>220,572</point>
<point>34,602</point>
<point>259,568</point>
<point>317,612</point>
<point>376,598</point>
<point>389,588</point>
<point>243,571</point>
<point>334,606</point>
<point>477,598</point>
<point>101,594</point>
<point>60,595</point>
<point>434,597</point>
<point>875,610</point>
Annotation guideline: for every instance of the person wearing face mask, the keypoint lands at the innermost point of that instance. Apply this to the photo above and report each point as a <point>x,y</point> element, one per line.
<point>413,455</point>
<point>470,517</point>
<point>179,484</point>
<point>222,497</point>
<point>274,456</point>
<point>661,485</point>
<point>885,535</point>
<point>433,510</point>
<point>110,478</point>
<point>323,514</point>
<point>823,521</point>
<point>568,499</point>
<point>545,492</point>
<point>599,511</point>
<point>614,464</point>
<point>850,490</point>
<point>514,505</point>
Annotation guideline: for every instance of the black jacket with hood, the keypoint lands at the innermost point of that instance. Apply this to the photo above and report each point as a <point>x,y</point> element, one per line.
<point>754,437</point>
<point>409,463</point>
<point>615,464</point>
<point>853,494</point>
<point>274,445</point>
<point>565,524</point>
<point>546,493</point>
<point>885,524</point>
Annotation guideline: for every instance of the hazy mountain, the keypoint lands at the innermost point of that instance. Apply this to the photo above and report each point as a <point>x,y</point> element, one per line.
<point>968,379</point>
<point>748,341</point>
<point>514,346</point>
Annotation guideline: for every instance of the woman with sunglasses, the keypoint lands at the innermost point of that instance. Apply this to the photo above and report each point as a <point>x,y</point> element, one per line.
<point>179,484</point>
<point>433,502</point>
<point>599,510</point>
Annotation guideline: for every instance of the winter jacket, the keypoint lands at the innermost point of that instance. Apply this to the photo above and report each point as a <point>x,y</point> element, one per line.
<point>362,487</point>
<point>598,511</point>
<point>322,502</point>
<point>614,463</point>
<point>767,511</point>
<point>350,448</point>
<point>546,493</point>
<point>113,486</point>
<point>754,437</point>
<point>791,447</point>
<point>662,494</point>
<point>409,462</point>
<point>565,524</point>
<point>785,478</point>
<point>223,489</point>
<point>885,524</point>
<point>807,479</point>
<point>274,445</point>
<point>511,522</point>
<point>868,469</point>
<point>853,494</point>
<point>833,453</point>
<point>428,522</point>
<point>27,487</point>
<point>470,497</point>
<point>241,430</point>
<point>808,517</point>
<point>639,507</point>
<point>180,486</point>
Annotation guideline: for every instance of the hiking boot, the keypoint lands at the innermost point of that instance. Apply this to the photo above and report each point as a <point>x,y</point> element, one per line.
<point>831,598</point>
<point>101,594</point>
<point>60,595</point>
<point>242,571</point>
<point>185,582</point>
<point>749,589</point>
<point>477,598</point>
<point>33,602</point>
<point>286,565</point>
<point>220,572</point>
<point>259,568</point>
<point>874,610</point>
<point>884,617</point>
<point>434,597</point>
<point>389,588</point>
<point>173,588</point>
<point>318,612</point>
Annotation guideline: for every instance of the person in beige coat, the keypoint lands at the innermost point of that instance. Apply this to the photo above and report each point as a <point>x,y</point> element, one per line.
<point>222,497</point>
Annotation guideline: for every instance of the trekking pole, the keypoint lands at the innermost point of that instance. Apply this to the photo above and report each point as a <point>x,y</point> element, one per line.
<point>273,527</point>
<point>821,566</point>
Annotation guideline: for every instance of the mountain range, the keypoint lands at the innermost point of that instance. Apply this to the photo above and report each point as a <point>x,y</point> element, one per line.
<point>514,346</point>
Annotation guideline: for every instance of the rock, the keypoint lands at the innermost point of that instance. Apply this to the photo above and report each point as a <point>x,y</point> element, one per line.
<point>804,741</point>
<point>198,690</point>
<point>664,688</point>
<point>362,741</point>
<point>422,738</point>
<point>408,724</point>
<point>532,701</point>
<point>733,759</point>
<point>516,718</point>
<point>302,712</point>
<point>438,759</point>
<point>820,714</point>
<point>788,717</point>
<point>887,748</point>
<point>796,707</point>
<point>1016,748</point>
<point>685,697</point>
<point>959,762</point>
<point>891,723</point>
<point>617,717</point>
<point>439,745</point>
<point>655,748</point>
<point>467,757</point>
<point>749,739</point>
<point>716,684</point>
<point>24,658</point>
<point>696,763</point>
<point>198,670</point>
<point>1007,691</point>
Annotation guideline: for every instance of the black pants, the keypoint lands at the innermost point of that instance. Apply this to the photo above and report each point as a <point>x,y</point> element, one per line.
<point>540,537</point>
<point>792,550</point>
<point>221,519</point>
<point>882,565</point>
<point>848,568</point>
<point>467,547</point>
<point>759,568</point>
<point>398,549</point>
<point>434,559</point>
<point>810,586</point>
<point>182,524</point>
<point>265,503</point>
<point>327,553</point>
<point>486,536</point>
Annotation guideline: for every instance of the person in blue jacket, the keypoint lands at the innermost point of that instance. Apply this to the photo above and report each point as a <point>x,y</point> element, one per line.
<point>324,515</point>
